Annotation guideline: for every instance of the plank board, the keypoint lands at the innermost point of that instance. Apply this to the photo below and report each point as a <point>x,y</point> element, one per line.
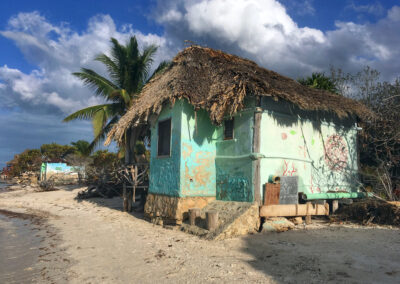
<point>271,193</point>
<point>289,210</point>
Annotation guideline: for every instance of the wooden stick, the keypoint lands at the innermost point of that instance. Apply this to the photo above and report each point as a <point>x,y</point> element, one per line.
<point>308,214</point>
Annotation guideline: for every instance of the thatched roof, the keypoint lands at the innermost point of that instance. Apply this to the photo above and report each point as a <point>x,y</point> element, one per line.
<point>218,82</point>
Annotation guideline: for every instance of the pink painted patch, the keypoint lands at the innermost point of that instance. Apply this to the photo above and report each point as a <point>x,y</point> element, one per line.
<point>284,136</point>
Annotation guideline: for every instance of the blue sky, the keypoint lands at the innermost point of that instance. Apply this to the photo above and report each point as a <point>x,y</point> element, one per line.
<point>42,42</point>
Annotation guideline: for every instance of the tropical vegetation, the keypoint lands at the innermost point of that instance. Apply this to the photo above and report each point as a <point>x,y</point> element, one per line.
<point>319,81</point>
<point>128,71</point>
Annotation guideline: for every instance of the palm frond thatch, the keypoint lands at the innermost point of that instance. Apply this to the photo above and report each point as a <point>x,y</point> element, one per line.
<point>218,82</point>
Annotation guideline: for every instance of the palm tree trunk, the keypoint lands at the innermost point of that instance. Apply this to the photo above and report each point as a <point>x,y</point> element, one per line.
<point>130,141</point>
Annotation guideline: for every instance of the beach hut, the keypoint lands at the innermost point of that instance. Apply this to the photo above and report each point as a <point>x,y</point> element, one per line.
<point>223,128</point>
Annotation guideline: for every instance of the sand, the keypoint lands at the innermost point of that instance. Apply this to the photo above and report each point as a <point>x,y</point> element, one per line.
<point>97,243</point>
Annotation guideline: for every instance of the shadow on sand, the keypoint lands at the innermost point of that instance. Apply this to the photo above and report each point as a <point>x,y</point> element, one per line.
<point>114,203</point>
<point>328,255</point>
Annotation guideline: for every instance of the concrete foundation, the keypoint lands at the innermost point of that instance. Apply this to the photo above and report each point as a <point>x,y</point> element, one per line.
<point>234,219</point>
<point>163,209</point>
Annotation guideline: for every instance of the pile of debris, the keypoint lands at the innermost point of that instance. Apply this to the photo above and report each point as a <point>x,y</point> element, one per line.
<point>26,178</point>
<point>369,211</point>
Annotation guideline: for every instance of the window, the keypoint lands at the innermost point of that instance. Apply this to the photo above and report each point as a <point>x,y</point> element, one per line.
<point>164,137</point>
<point>228,129</point>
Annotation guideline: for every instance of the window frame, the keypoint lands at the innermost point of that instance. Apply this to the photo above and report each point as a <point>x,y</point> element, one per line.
<point>170,138</point>
<point>233,129</point>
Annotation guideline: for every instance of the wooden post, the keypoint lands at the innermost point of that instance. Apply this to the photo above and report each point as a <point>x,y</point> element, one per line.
<point>326,208</point>
<point>335,205</point>
<point>129,198</point>
<point>125,197</point>
<point>308,215</point>
<point>135,181</point>
<point>193,214</point>
<point>256,149</point>
<point>212,220</point>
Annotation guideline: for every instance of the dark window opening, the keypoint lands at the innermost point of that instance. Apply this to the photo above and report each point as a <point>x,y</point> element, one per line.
<point>228,129</point>
<point>164,137</point>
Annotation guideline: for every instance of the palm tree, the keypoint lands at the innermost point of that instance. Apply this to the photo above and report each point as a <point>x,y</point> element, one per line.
<point>82,148</point>
<point>128,70</point>
<point>319,81</point>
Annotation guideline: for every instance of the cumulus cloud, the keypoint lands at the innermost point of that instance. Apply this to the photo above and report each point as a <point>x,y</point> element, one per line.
<point>375,9</point>
<point>264,31</point>
<point>57,51</point>
<point>33,104</point>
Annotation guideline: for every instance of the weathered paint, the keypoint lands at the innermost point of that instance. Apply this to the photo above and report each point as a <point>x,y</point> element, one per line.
<point>59,168</point>
<point>201,162</point>
<point>198,142</point>
<point>164,171</point>
<point>190,169</point>
<point>48,170</point>
<point>234,161</point>
<point>320,149</point>
<point>337,195</point>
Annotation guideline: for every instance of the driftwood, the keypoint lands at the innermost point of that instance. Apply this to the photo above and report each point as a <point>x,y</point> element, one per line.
<point>133,176</point>
<point>98,191</point>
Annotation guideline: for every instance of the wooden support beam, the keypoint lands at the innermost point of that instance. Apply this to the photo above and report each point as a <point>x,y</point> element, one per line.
<point>308,213</point>
<point>193,214</point>
<point>335,205</point>
<point>256,163</point>
<point>125,197</point>
<point>289,210</point>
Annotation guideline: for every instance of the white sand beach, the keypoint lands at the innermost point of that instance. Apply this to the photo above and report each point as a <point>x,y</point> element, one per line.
<point>92,241</point>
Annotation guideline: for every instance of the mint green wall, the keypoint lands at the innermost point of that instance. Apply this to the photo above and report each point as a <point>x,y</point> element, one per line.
<point>165,171</point>
<point>294,142</point>
<point>198,144</point>
<point>233,162</point>
<point>201,162</point>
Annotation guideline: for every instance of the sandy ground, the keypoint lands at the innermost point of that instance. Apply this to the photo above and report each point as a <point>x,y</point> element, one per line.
<point>94,242</point>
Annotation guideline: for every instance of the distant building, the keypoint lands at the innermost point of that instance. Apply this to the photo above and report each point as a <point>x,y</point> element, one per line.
<point>61,173</point>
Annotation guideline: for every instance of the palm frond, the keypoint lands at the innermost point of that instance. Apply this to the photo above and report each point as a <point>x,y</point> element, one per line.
<point>86,113</point>
<point>102,86</point>
<point>119,55</point>
<point>111,66</point>
<point>132,49</point>
<point>147,59</point>
<point>102,135</point>
<point>99,120</point>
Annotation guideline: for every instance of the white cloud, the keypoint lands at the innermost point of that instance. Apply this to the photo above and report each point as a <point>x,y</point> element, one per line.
<point>57,51</point>
<point>373,8</point>
<point>33,104</point>
<point>262,30</point>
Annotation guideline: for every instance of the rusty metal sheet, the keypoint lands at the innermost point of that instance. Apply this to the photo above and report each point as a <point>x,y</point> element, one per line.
<point>271,193</point>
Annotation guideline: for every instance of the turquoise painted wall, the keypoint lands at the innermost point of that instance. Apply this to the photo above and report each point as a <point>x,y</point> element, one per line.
<point>201,162</point>
<point>165,171</point>
<point>293,142</point>
<point>234,165</point>
<point>319,148</point>
<point>198,144</point>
